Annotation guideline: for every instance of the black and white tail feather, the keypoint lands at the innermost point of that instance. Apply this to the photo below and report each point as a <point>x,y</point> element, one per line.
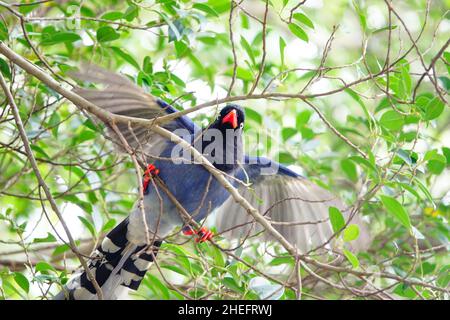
<point>122,260</point>
<point>117,265</point>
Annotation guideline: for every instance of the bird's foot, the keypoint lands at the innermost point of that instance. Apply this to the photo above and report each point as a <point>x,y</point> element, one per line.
<point>149,173</point>
<point>203,234</point>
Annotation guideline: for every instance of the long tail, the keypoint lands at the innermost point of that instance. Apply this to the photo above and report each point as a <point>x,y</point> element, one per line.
<point>116,266</point>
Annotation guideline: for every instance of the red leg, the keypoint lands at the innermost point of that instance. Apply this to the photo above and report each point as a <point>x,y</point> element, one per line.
<point>149,173</point>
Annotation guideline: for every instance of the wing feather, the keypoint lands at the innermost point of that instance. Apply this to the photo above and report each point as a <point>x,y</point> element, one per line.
<point>121,96</point>
<point>295,206</point>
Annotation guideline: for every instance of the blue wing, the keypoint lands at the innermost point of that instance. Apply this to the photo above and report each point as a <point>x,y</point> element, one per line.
<point>258,167</point>
<point>296,207</point>
<point>121,96</point>
<point>183,121</point>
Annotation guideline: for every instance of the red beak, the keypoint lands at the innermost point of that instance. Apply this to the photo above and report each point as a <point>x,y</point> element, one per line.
<point>231,118</point>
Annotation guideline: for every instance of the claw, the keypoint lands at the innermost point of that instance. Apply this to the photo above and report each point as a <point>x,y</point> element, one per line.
<point>149,173</point>
<point>188,231</point>
<point>203,234</point>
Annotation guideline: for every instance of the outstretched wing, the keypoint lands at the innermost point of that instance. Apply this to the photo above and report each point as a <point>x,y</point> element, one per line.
<point>295,206</point>
<point>120,96</point>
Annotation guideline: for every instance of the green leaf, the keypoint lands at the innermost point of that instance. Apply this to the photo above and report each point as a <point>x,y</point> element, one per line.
<point>349,169</point>
<point>410,189</point>
<point>174,33</point>
<point>248,49</point>
<point>405,291</point>
<point>307,133</point>
<point>302,119</point>
<point>60,249</point>
<point>351,233</point>
<point>208,40</point>
<point>351,258</point>
<point>3,31</point>
<point>218,256</point>
<point>361,15</point>
<point>205,8</point>
<point>298,31</point>
<point>89,124</point>
<point>109,225</point>
<point>282,45</point>
<point>4,68</point>
<point>53,123</point>
<point>285,157</point>
<point>300,17</point>
<point>396,210</point>
<point>31,5</point>
<point>49,39</point>
<point>244,74</point>
<point>231,283</point>
<point>393,27</point>
<point>392,120</point>
<point>336,219</point>
<point>88,225</point>
<point>444,276</point>
<point>434,108</point>
<point>39,151</point>
<point>282,260</point>
<point>384,103</point>
<point>445,82</point>
<point>179,255</point>
<point>92,197</point>
<point>147,65</point>
<point>106,34</point>
<point>404,155</point>
<point>43,266</point>
<point>77,171</point>
<point>364,162</point>
<point>424,190</point>
<point>181,48</point>
<point>253,115</point>
<point>446,152</point>
<point>85,135</point>
<point>447,59</point>
<point>22,281</point>
<point>405,81</point>
<point>49,238</point>
<point>175,269</point>
<point>154,281</point>
<point>131,13</point>
<point>358,99</point>
<point>288,133</point>
<point>112,15</point>
<point>125,56</point>
<point>82,204</point>
<point>437,163</point>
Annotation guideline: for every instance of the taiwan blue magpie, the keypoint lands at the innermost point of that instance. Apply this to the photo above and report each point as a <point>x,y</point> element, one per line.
<point>296,207</point>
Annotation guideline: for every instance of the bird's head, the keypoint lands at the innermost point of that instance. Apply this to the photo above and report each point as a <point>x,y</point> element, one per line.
<point>222,143</point>
<point>231,117</point>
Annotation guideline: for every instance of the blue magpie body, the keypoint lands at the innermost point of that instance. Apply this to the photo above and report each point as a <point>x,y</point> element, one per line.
<point>297,207</point>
